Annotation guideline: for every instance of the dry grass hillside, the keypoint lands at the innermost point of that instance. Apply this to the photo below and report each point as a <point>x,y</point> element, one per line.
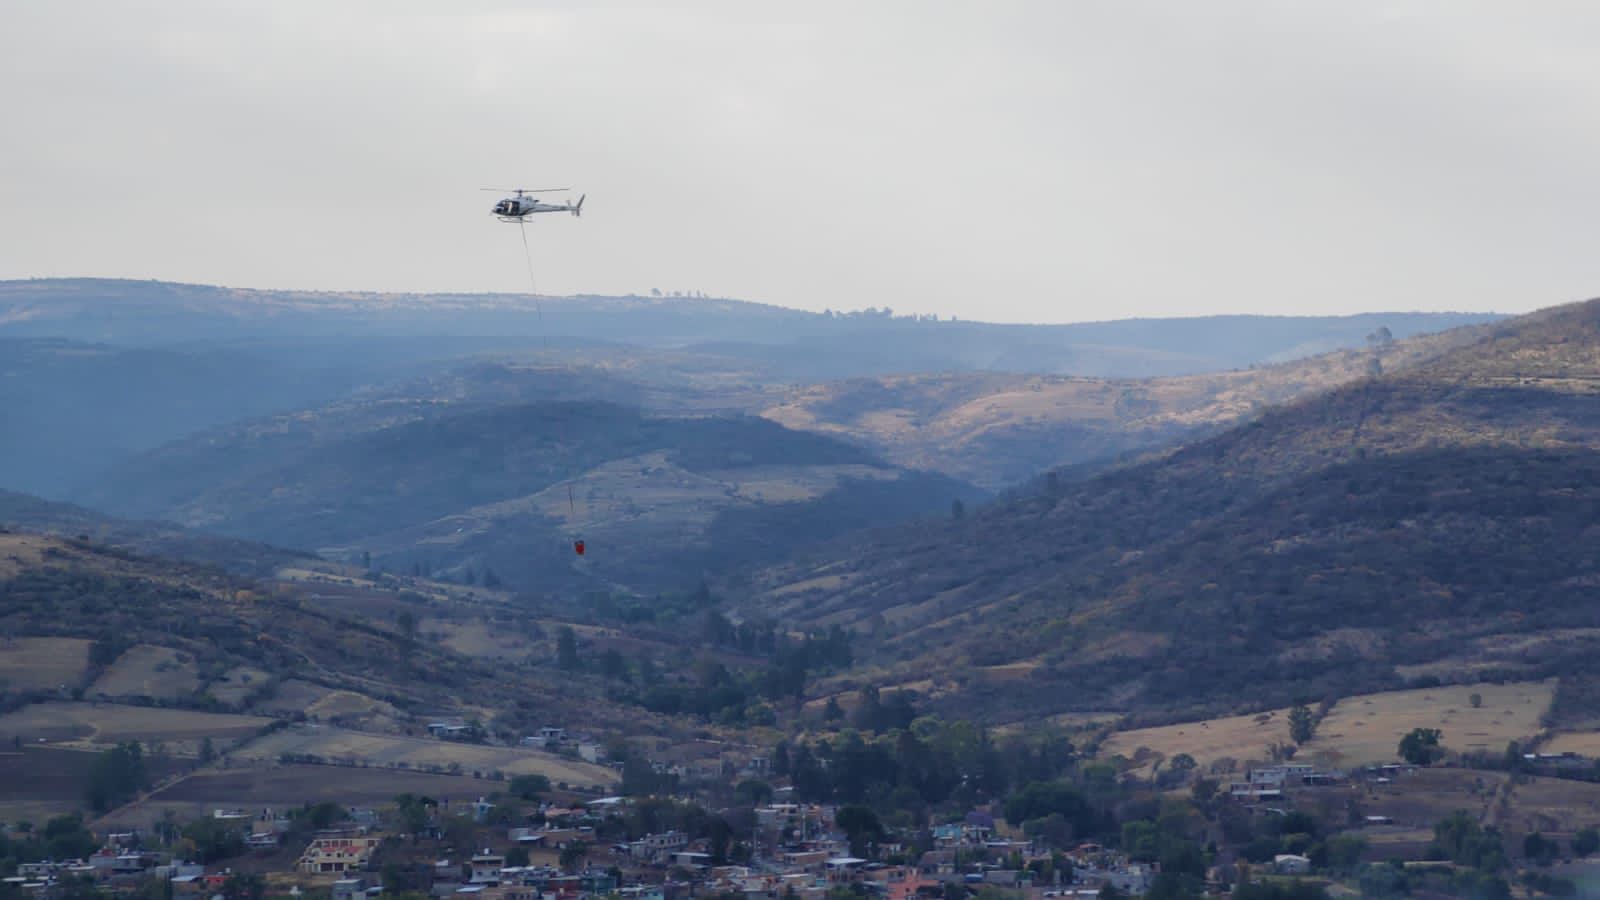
<point>997,429</point>
<point>1425,526</point>
<point>119,632</point>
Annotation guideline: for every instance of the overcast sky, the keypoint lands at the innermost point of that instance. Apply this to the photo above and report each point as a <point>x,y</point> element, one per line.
<point>1051,161</point>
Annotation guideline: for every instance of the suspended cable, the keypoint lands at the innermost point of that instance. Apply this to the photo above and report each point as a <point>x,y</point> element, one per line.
<point>538,308</point>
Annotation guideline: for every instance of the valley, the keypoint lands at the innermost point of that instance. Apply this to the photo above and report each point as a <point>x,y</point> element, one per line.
<point>1076,604</point>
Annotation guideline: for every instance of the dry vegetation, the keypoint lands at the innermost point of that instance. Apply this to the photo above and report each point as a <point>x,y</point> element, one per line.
<point>148,671</point>
<point>1238,738</point>
<point>1359,730</point>
<point>995,429</point>
<point>1367,729</point>
<point>42,663</point>
<point>102,724</point>
<point>383,751</point>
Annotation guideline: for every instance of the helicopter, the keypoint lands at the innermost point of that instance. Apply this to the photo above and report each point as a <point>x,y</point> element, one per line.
<point>514,209</point>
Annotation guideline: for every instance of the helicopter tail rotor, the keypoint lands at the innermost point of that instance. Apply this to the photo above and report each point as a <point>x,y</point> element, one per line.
<point>577,210</point>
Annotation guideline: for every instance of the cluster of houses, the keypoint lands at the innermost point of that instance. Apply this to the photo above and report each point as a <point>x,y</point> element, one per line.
<point>1269,782</point>
<point>799,851</point>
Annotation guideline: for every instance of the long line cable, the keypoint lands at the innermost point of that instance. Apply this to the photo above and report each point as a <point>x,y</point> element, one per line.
<point>538,308</point>
<point>544,340</point>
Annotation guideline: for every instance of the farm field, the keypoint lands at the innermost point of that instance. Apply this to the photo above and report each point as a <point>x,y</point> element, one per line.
<point>104,724</point>
<point>1367,729</point>
<point>1239,738</point>
<point>479,639</point>
<point>238,684</point>
<point>1583,743</point>
<point>1420,798</point>
<point>1552,805</point>
<point>275,784</point>
<point>39,782</point>
<point>42,663</point>
<point>336,744</point>
<point>148,671</point>
<point>1360,730</point>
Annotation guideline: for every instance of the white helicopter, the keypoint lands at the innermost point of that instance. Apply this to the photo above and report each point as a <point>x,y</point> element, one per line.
<point>514,209</point>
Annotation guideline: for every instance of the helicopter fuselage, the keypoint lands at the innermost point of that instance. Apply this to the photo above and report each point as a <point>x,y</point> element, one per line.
<point>517,207</point>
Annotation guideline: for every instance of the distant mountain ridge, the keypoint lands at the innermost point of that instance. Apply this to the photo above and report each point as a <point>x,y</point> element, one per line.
<point>787,341</point>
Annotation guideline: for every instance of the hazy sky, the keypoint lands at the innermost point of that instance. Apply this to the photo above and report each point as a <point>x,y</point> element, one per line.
<point>1050,161</point>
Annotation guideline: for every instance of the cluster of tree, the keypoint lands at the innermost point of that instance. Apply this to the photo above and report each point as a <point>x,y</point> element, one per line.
<point>117,776</point>
<point>63,837</point>
<point>712,690</point>
<point>928,766</point>
<point>1421,746</point>
<point>877,713</point>
<point>654,815</point>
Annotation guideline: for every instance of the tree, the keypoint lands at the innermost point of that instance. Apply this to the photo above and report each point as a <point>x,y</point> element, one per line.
<point>1586,841</point>
<point>861,826</point>
<point>573,854</point>
<point>567,649</point>
<point>213,839</point>
<point>958,510</point>
<point>517,856</point>
<point>1344,851</point>
<point>116,777</point>
<point>1421,746</point>
<point>1302,724</point>
<point>753,791</point>
<point>528,787</point>
<point>1539,848</point>
<point>1476,700</point>
<point>1459,838</point>
<point>416,812</point>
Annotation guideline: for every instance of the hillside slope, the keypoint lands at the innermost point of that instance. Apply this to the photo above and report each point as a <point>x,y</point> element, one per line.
<point>1431,524</point>
<point>793,343</point>
<point>83,621</point>
<point>458,489</point>
<point>996,430</point>
<point>164,539</point>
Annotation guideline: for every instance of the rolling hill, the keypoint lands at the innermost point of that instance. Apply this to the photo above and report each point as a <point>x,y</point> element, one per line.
<point>787,343</point>
<point>1434,524</point>
<point>463,489</point>
<point>997,429</point>
<point>158,539</point>
<point>98,640</point>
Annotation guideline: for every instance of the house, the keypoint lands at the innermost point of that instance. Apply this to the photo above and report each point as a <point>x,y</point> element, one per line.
<point>486,867</point>
<point>1252,791</point>
<point>937,862</point>
<point>656,846</point>
<point>1134,878</point>
<point>338,854</point>
<point>1291,864</point>
<point>844,868</point>
<point>349,889</point>
<point>591,751</point>
<point>813,861</point>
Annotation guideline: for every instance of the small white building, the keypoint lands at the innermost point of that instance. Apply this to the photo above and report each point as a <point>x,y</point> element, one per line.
<point>1291,864</point>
